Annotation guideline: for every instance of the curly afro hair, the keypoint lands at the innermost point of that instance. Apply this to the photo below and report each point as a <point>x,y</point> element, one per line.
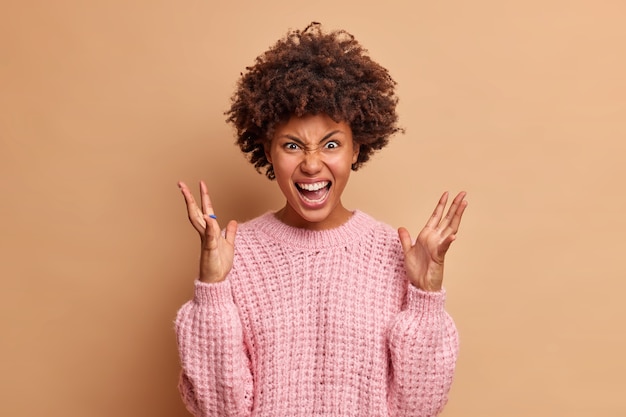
<point>312,72</point>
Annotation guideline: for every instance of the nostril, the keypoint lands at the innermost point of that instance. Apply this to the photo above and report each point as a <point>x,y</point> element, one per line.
<point>311,163</point>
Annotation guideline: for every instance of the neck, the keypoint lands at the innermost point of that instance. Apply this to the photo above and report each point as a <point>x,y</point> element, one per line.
<point>336,218</point>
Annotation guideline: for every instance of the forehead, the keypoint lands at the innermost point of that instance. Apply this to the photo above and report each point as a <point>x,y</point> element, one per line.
<point>311,127</point>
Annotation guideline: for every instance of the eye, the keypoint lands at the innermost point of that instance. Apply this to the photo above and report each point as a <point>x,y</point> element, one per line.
<point>331,144</point>
<point>290,146</point>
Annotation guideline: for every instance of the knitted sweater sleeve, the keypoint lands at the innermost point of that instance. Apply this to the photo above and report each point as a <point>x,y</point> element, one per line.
<point>423,343</point>
<point>216,379</point>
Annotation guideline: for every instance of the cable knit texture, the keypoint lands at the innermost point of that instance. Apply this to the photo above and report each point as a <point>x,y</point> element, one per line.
<point>315,323</point>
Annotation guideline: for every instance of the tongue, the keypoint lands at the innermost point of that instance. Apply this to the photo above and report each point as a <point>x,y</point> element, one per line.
<point>314,195</point>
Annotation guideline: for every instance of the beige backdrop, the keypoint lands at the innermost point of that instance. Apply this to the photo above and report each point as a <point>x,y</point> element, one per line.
<point>104,105</point>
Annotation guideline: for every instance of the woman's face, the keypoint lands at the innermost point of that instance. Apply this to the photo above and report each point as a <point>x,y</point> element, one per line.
<point>312,158</point>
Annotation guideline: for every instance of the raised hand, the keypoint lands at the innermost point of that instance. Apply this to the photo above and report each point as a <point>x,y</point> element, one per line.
<point>216,251</point>
<point>424,259</point>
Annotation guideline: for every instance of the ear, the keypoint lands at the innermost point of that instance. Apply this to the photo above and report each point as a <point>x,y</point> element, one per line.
<point>355,153</point>
<point>267,148</point>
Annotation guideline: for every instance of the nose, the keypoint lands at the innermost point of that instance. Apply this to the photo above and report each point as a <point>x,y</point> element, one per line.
<point>311,162</point>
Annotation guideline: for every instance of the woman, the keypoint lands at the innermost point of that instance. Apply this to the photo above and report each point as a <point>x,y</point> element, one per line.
<point>314,309</point>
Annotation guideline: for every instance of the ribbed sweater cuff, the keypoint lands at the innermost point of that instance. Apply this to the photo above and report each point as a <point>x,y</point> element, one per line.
<point>215,294</point>
<point>425,301</point>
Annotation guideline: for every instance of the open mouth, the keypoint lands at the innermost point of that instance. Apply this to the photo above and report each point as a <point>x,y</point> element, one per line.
<point>314,192</point>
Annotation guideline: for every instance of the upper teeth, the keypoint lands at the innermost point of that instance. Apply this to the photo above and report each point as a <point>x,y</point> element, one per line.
<point>313,187</point>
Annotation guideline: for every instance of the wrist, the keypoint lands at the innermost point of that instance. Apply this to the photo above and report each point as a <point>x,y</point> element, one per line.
<point>211,280</point>
<point>427,286</point>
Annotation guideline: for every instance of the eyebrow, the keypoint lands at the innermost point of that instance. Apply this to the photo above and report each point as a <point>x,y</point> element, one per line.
<point>300,142</point>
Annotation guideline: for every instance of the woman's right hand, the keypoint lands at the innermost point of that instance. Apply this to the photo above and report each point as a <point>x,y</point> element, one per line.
<point>216,251</point>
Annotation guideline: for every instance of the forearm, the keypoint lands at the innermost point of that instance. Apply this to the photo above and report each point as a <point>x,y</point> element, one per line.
<point>423,342</point>
<point>216,377</point>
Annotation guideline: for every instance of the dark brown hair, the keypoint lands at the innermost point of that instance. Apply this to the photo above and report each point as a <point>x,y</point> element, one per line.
<point>312,72</point>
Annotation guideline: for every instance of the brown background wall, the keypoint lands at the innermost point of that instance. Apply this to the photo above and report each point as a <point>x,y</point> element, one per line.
<point>104,105</point>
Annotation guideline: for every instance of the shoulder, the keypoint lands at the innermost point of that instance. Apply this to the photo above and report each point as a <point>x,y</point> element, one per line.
<point>256,223</point>
<point>379,228</point>
<point>380,240</point>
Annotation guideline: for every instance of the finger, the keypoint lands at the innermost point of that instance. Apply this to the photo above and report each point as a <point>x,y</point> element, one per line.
<point>212,233</point>
<point>193,211</point>
<point>434,220</point>
<point>405,239</point>
<point>454,207</point>
<point>207,207</point>
<point>445,245</point>
<point>458,214</point>
<point>231,231</point>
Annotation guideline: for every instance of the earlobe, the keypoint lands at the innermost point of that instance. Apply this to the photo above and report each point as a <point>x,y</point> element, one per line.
<point>266,149</point>
<point>355,155</point>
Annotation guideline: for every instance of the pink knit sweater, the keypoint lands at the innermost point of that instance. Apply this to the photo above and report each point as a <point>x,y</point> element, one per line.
<point>315,323</point>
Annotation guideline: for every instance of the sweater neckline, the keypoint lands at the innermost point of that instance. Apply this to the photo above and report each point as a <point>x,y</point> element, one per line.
<point>347,233</point>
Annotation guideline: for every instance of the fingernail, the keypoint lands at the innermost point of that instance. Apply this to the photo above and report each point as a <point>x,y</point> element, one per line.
<point>213,216</point>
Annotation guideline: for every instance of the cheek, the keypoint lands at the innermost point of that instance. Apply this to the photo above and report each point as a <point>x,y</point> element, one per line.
<point>340,168</point>
<point>284,167</point>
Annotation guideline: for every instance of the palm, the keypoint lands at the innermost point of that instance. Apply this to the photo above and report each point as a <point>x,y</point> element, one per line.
<point>216,251</point>
<point>424,260</point>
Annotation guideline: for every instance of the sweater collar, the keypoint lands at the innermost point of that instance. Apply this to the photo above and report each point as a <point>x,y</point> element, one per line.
<point>352,230</point>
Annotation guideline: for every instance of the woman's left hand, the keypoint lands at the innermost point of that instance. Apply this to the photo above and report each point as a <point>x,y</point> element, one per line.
<point>424,259</point>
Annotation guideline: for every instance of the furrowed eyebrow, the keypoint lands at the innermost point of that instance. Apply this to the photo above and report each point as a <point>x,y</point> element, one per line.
<point>300,142</point>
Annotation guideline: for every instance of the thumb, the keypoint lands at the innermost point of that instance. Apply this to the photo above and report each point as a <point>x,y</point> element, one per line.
<point>231,231</point>
<point>405,239</point>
